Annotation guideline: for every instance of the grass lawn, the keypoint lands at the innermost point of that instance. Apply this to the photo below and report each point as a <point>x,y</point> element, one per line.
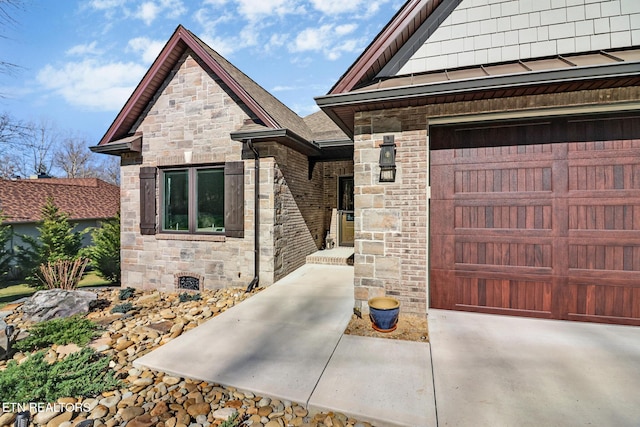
<point>14,292</point>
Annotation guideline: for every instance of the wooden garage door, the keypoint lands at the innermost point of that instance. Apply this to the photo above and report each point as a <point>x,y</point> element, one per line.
<point>538,219</point>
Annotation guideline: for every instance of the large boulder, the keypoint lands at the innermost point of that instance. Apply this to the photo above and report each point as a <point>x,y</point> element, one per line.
<point>53,303</point>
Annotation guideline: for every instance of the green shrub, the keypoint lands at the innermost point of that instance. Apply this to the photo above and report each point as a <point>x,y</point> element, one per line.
<point>77,330</point>
<point>84,373</point>
<point>5,248</point>
<point>105,250</point>
<point>122,308</point>
<point>126,293</point>
<point>56,241</point>
<point>185,296</point>
<point>232,421</point>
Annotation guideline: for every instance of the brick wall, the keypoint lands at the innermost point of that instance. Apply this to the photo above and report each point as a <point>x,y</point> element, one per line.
<point>488,31</point>
<point>391,248</point>
<point>297,209</point>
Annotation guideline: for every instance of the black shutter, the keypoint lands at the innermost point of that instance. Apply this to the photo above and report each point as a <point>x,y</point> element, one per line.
<point>147,200</point>
<point>234,199</point>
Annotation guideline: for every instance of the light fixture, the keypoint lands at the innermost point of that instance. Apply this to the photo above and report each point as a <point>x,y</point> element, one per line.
<point>387,159</point>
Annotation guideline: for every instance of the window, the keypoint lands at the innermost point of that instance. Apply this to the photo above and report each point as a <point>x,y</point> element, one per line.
<point>193,200</point>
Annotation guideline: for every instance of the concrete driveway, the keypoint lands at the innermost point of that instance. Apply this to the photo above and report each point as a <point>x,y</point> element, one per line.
<point>494,370</point>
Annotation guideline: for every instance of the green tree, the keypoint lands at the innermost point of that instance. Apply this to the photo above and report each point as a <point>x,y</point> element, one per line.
<point>5,248</point>
<point>57,241</point>
<point>105,250</point>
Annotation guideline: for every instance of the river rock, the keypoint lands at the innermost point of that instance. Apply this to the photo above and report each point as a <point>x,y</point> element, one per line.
<point>59,419</point>
<point>170,380</point>
<point>45,416</point>
<point>99,412</point>
<point>65,350</point>
<point>143,381</point>
<point>110,402</point>
<point>145,299</point>
<point>199,409</point>
<point>159,409</point>
<point>131,412</point>
<point>224,413</point>
<point>141,421</point>
<point>299,411</point>
<point>7,418</point>
<point>57,303</point>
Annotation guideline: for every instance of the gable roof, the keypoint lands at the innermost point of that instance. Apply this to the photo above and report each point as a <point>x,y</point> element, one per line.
<point>372,81</point>
<point>391,39</point>
<point>81,198</point>
<point>271,113</point>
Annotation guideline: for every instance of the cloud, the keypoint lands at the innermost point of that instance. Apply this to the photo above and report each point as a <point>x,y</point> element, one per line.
<point>284,88</point>
<point>92,84</point>
<point>150,10</point>
<point>328,40</point>
<point>83,49</point>
<point>148,48</point>
<point>106,4</point>
<point>305,109</point>
<point>362,8</point>
<point>255,9</point>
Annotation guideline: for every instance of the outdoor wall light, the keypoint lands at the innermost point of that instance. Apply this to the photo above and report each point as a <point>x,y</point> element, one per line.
<point>388,159</point>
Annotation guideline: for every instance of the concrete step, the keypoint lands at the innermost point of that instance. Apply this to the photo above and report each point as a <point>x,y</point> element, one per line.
<point>336,256</point>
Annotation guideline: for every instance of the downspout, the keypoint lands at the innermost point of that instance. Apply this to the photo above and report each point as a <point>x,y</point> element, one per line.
<point>256,220</point>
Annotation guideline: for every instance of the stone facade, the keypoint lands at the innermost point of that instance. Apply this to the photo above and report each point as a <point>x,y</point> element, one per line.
<point>194,112</point>
<point>391,248</point>
<point>189,124</point>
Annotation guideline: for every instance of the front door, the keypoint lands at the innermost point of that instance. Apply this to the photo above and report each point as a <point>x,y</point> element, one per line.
<point>345,211</point>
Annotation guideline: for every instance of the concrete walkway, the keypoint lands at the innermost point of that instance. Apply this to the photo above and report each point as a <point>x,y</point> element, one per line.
<point>494,370</point>
<point>287,342</point>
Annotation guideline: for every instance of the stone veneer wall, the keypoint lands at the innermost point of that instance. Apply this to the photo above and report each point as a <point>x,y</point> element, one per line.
<point>296,209</point>
<point>391,248</point>
<point>193,112</point>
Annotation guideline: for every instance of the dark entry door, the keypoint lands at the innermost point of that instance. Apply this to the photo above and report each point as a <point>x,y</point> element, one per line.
<point>345,211</point>
<point>538,219</point>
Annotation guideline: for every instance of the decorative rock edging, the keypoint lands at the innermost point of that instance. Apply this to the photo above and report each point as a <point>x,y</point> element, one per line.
<point>153,398</point>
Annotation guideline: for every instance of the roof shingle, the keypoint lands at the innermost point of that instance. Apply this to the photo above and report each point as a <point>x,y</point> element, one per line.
<point>81,198</point>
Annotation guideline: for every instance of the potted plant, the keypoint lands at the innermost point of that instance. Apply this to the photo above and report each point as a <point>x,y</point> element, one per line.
<point>383,312</point>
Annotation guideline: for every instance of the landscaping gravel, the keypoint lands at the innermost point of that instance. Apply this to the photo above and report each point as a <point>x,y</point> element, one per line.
<point>153,398</point>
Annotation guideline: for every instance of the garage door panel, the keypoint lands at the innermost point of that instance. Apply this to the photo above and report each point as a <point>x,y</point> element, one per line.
<point>504,295</point>
<point>520,214</point>
<point>550,229</point>
<point>502,254</point>
<point>604,303</point>
<point>612,216</point>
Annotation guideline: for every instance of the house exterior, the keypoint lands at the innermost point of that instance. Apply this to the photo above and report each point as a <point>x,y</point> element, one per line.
<point>517,138</point>
<point>87,201</point>
<point>484,152</point>
<point>188,139</point>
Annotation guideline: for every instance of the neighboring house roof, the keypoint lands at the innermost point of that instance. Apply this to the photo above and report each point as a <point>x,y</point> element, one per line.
<point>81,198</point>
<point>269,111</point>
<point>374,80</point>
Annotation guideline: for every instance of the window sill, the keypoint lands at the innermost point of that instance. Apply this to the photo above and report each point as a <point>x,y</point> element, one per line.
<point>192,237</point>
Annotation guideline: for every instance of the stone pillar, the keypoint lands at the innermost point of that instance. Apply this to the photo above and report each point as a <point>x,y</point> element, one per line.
<point>391,218</point>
